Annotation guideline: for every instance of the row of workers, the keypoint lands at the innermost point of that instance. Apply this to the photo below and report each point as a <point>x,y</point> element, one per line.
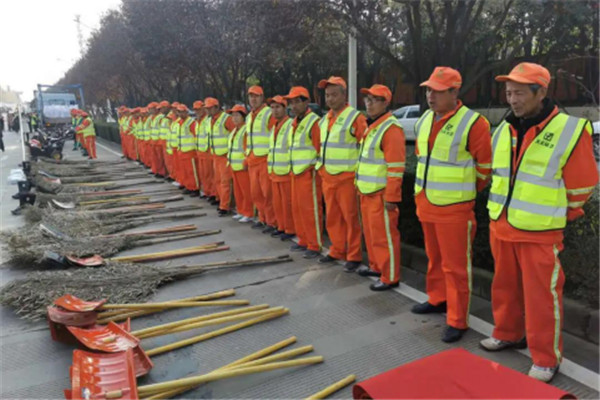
<point>85,132</point>
<point>540,161</point>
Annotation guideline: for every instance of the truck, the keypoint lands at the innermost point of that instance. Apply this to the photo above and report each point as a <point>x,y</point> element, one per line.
<point>54,104</point>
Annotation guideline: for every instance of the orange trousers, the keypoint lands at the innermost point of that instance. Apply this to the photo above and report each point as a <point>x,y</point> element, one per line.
<point>449,277</point>
<point>188,170</point>
<point>342,219</point>
<point>206,174</point>
<point>168,163</point>
<point>382,237</point>
<point>262,196</point>
<point>282,204</point>
<point>176,164</point>
<point>79,138</point>
<point>222,181</point>
<point>241,191</point>
<point>90,146</point>
<point>527,297</point>
<point>158,160</point>
<point>307,209</point>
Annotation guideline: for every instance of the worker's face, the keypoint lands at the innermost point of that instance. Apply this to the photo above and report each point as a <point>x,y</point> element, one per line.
<point>441,101</point>
<point>165,110</point>
<point>335,97</point>
<point>214,110</point>
<point>278,110</point>
<point>376,105</point>
<point>523,102</point>
<point>255,100</point>
<point>200,112</point>
<point>238,118</point>
<point>154,111</point>
<point>299,106</point>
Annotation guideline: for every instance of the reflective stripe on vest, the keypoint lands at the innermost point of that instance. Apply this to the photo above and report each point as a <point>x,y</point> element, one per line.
<point>302,152</point>
<point>235,155</point>
<point>155,127</point>
<point>202,134</point>
<point>88,130</point>
<point>536,199</point>
<point>258,136</point>
<point>371,174</point>
<point>339,149</point>
<point>164,128</point>
<point>219,136</point>
<point>448,173</point>
<point>278,161</point>
<point>187,141</point>
<point>146,129</point>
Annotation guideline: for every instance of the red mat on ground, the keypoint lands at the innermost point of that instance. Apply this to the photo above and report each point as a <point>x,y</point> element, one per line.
<point>455,374</point>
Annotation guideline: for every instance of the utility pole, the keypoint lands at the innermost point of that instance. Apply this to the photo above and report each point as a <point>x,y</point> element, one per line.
<point>352,67</point>
<point>79,34</point>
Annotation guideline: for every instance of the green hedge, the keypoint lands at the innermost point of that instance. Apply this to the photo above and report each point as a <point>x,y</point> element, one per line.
<point>579,258</point>
<point>108,131</point>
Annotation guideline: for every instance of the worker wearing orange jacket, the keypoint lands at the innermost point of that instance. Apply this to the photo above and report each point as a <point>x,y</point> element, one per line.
<point>76,114</point>
<point>205,164</point>
<point>121,119</point>
<point>161,125</point>
<point>170,155</point>
<point>341,130</point>
<point>221,126</point>
<point>236,161</point>
<point>87,130</point>
<point>454,153</point>
<point>379,182</point>
<point>543,172</point>
<point>134,124</point>
<point>152,134</point>
<point>258,127</point>
<point>279,167</point>
<point>307,195</point>
<point>186,150</point>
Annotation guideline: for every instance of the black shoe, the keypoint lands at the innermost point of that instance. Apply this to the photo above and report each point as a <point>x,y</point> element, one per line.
<point>15,196</point>
<point>17,211</point>
<point>157,175</point>
<point>310,254</point>
<point>452,334</point>
<point>363,270</point>
<point>151,173</point>
<point>286,236</point>
<point>296,247</point>
<point>181,187</point>
<point>277,233</point>
<point>258,225</point>
<point>327,259</point>
<point>215,202</point>
<point>185,191</point>
<point>194,193</point>
<point>204,196</point>
<point>351,266</point>
<point>380,286</point>
<point>223,213</point>
<point>269,229</point>
<point>428,308</point>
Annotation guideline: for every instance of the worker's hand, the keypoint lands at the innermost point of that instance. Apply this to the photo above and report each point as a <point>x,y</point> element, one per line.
<point>390,206</point>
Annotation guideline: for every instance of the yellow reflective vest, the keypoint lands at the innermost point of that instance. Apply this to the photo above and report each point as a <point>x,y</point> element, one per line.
<point>303,154</point>
<point>257,130</point>
<point>278,160</point>
<point>339,148</point>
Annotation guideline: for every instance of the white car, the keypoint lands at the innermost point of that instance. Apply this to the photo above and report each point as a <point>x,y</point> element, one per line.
<point>408,116</point>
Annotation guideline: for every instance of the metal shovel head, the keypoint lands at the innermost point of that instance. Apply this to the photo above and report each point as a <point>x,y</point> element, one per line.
<point>52,180</point>
<point>53,232</point>
<point>95,374</point>
<point>109,339</point>
<point>47,175</point>
<point>93,261</point>
<point>63,204</point>
<point>72,303</point>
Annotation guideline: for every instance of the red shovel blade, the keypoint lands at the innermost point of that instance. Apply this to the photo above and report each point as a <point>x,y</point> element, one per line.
<point>110,338</point>
<point>93,261</point>
<point>72,303</point>
<point>71,318</point>
<point>141,361</point>
<point>60,332</point>
<point>97,375</point>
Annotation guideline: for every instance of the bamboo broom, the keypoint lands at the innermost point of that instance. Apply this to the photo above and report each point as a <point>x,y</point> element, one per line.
<point>157,232</point>
<point>119,200</point>
<point>173,304</point>
<point>329,390</point>
<point>188,251</point>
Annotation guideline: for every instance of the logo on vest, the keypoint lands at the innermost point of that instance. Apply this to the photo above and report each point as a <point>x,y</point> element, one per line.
<point>546,140</point>
<point>448,129</point>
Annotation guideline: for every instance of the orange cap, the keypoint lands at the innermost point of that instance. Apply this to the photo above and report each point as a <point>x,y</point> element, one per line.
<point>238,108</point>
<point>529,73</point>
<point>152,105</point>
<point>378,90</point>
<point>175,104</point>
<point>135,110</point>
<point>257,90</point>
<point>164,103</point>
<point>333,80</point>
<point>182,107</point>
<point>298,91</point>
<point>443,78</point>
<point>144,109</point>
<point>210,102</point>
<point>197,104</point>
<point>277,99</point>
<point>83,114</point>
<point>74,111</point>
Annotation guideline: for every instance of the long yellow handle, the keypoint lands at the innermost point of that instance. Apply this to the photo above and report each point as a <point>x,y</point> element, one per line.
<point>167,253</point>
<point>143,332</point>
<point>212,334</point>
<point>175,304</point>
<point>120,200</point>
<point>213,376</point>
<point>333,388</point>
<point>210,322</point>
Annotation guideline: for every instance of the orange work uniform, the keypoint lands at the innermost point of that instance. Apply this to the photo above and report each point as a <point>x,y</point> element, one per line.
<point>282,193</point>
<point>449,230</point>
<point>528,282</point>
<point>222,173</point>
